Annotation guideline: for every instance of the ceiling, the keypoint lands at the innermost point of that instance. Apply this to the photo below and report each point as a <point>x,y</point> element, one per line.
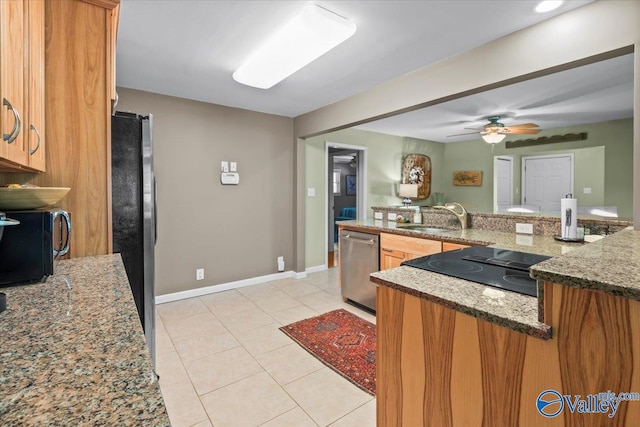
<point>592,93</point>
<point>189,49</point>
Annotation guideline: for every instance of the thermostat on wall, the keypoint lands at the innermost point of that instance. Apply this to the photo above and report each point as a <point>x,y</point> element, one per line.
<point>230,178</point>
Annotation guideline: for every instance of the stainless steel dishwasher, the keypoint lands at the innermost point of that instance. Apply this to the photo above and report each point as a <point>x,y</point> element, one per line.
<point>359,257</point>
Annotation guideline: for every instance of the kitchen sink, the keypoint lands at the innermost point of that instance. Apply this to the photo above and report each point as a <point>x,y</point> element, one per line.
<point>422,228</point>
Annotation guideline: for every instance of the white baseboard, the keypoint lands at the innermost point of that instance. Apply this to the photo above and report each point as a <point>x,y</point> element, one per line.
<point>161,299</point>
<point>299,275</point>
<point>315,269</point>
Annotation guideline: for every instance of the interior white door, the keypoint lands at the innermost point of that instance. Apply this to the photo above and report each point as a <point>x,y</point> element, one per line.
<point>546,180</point>
<point>504,182</point>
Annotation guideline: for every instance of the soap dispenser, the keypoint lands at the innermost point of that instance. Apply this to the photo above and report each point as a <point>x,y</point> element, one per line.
<point>417,217</point>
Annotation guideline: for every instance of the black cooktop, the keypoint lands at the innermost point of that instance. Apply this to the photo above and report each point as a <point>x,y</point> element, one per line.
<point>499,268</point>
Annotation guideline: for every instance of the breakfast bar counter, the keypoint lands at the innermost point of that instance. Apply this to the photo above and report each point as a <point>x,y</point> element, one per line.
<point>452,352</point>
<point>72,351</point>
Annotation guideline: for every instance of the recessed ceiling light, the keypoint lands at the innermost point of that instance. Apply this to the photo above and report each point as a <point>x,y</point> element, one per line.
<point>548,5</point>
<point>311,34</point>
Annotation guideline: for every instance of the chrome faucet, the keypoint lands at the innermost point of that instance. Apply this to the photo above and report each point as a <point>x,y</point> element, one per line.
<point>451,207</point>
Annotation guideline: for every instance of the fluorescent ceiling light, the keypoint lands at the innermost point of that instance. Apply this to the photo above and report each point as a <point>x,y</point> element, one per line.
<point>342,159</point>
<point>548,5</point>
<point>311,34</point>
<point>493,138</point>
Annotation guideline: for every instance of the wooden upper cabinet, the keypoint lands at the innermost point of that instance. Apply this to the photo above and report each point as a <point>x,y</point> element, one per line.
<point>22,85</point>
<point>12,84</point>
<point>112,26</point>
<point>35,96</point>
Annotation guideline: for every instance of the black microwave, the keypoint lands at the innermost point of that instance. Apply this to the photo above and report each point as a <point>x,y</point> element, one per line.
<point>29,250</point>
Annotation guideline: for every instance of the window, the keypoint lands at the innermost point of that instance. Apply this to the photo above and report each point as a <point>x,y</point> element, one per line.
<point>336,182</point>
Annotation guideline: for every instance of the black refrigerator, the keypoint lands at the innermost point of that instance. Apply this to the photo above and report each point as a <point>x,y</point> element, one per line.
<point>133,189</point>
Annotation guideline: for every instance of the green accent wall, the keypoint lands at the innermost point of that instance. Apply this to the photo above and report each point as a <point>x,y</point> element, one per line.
<point>384,160</point>
<point>603,161</point>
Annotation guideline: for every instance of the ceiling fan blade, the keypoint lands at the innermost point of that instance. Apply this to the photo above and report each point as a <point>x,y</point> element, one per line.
<point>460,134</point>
<point>476,129</point>
<point>511,131</point>
<point>524,125</point>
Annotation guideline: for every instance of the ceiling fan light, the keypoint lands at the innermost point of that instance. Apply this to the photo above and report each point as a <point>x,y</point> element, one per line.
<point>493,138</point>
<point>548,5</point>
<point>311,34</point>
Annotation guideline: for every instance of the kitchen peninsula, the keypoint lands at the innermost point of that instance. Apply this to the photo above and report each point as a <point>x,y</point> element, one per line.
<point>453,352</point>
<point>72,351</point>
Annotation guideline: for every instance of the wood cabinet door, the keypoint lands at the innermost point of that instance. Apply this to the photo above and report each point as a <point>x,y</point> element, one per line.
<point>410,245</point>
<point>34,126</point>
<point>390,258</point>
<point>447,246</point>
<point>12,68</point>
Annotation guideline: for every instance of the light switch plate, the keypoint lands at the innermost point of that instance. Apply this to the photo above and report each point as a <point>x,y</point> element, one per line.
<point>524,228</point>
<point>586,190</point>
<point>224,166</point>
<point>391,216</point>
<point>311,192</point>
<point>377,215</point>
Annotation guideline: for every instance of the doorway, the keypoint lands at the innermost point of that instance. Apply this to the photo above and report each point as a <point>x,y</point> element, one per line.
<point>503,183</point>
<point>346,192</point>
<point>546,180</point>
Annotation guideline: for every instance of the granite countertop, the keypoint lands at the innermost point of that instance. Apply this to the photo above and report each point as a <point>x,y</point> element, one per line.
<point>611,265</point>
<point>77,356</point>
<point>509,309</point>
<point>542,245</point>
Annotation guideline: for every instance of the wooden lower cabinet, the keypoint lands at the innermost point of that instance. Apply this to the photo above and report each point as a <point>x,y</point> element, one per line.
<point>395,249</point>
<point>448,246</point>
<point>439,367</point>
<point>391,259</point>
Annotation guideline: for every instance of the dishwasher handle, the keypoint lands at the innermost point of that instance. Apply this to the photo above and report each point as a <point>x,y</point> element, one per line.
<point>355,239</point>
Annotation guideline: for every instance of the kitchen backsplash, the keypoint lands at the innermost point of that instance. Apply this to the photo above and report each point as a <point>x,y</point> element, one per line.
<point>542,225</point>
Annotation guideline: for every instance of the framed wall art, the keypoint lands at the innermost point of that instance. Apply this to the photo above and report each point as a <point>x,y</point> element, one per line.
<point>351,185</point>
<point>467,178</point>
<point>416,169</point>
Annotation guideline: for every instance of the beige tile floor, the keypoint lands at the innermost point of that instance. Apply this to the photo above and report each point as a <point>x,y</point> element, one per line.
<point>222,360</point>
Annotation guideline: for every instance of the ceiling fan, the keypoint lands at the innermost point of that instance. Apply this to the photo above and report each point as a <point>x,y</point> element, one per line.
<point>494,131</point>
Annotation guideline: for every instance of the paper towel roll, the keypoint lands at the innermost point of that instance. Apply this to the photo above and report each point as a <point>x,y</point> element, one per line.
<point>569,209</point>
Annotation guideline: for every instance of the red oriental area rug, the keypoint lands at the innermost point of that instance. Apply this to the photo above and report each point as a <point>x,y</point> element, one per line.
<point>342,341</point>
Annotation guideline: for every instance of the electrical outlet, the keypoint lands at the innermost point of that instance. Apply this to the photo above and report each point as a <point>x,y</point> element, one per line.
<point>377,215</point>
<point>391,216</point>
<point>524,228</point>
<point>200,274</point>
